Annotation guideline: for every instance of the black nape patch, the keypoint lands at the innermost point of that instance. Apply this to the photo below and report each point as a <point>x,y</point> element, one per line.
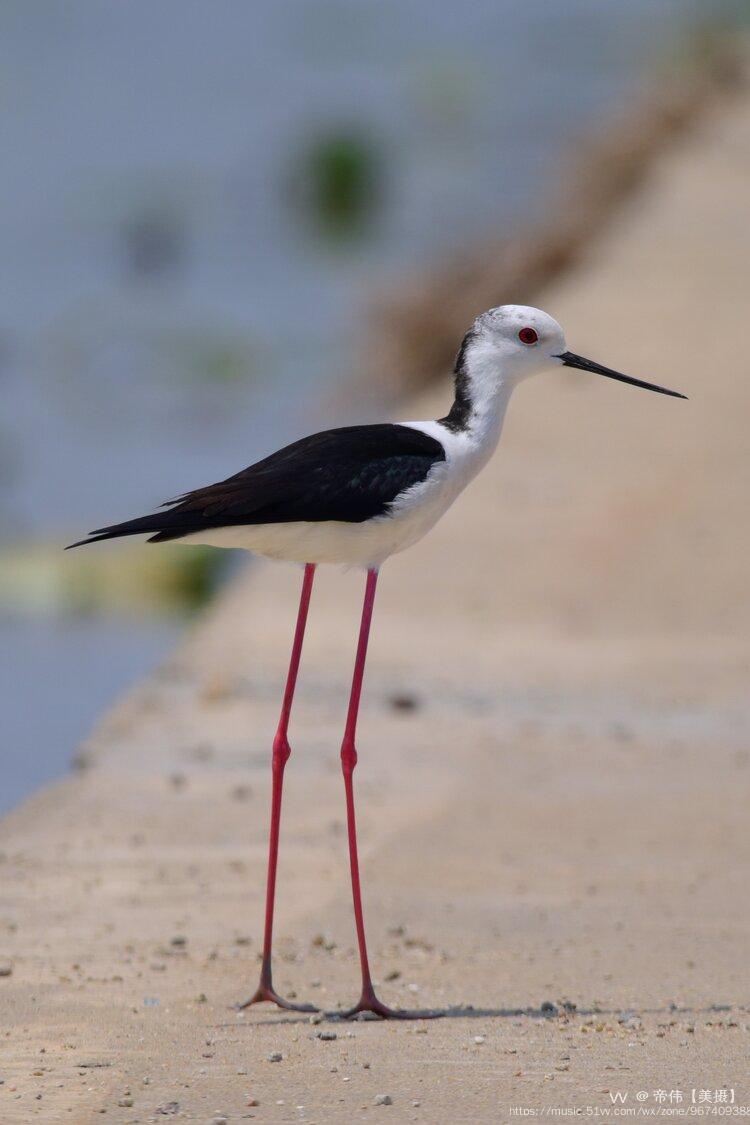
<point>459,415</point>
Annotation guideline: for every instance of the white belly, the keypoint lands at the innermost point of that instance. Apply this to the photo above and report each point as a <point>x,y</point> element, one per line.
<point>350,544</point>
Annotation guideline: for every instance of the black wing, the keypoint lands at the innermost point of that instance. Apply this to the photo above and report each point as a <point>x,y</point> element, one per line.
<point>349,474</point>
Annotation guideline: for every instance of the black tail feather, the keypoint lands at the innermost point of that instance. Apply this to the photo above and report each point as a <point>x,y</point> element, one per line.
<point>159,523</point>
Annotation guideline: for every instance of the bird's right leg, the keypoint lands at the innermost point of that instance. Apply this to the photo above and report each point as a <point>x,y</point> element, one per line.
<point>281,752</point>
<point>368,1001</point>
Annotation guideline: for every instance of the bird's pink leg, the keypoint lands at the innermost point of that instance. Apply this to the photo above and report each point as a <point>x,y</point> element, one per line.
<point>368,1001</point>
<point>281,752</point>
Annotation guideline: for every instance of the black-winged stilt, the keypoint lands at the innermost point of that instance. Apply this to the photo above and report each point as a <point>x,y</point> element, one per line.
<point>355,496</point>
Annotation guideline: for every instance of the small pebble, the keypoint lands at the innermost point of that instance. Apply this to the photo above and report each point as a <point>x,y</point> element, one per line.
<point>403,701</point>
<point>6,970</point>
<point>316,1017</point>
<point>125,1102</point>
<point>479,1039</point>
<point>275,1056</point>
<point>323,942</point>
<point>383,1099</point>
<point>329,1036</point>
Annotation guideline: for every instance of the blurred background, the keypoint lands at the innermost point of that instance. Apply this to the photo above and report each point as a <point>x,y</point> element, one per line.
<point>199,202</point>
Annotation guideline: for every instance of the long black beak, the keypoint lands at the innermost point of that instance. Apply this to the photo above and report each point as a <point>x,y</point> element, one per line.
<point>570,359</point>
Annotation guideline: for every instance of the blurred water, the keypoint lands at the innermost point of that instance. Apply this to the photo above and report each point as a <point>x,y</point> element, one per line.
<point>170,308</point>
<point>56,676</point>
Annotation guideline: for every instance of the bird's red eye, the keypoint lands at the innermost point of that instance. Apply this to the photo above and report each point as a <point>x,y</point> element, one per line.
<point>528,336</point>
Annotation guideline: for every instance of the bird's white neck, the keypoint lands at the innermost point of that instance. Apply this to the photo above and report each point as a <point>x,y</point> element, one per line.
<point>482,394</point>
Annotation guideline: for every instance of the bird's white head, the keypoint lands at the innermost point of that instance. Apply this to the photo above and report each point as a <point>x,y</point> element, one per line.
<point>504,346</point>
<point>515,341</point>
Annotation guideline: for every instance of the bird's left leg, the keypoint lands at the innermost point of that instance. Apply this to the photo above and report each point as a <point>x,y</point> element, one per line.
<point>281,752</point>
<point>368,1001</point>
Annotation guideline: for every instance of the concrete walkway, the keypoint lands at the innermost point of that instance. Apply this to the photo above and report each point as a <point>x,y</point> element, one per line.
<point>554,766</point>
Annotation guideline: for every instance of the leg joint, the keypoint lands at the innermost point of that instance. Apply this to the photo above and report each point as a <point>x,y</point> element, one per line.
<point>348,755</point>
<point>281,750</point>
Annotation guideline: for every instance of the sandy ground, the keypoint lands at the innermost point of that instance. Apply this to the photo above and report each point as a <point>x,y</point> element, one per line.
<point>554,768</point>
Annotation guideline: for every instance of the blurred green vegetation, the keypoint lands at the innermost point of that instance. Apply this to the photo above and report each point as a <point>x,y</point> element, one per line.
<point>128,581</point>
<point>338,182</point>
<point>212,356</point>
